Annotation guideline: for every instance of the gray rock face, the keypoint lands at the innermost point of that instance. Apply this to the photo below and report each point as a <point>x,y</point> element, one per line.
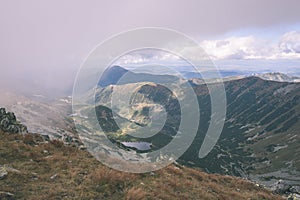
<point>9,123</point>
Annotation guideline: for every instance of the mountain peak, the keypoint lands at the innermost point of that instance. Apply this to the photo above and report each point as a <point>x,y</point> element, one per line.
<point>278,76</point>
<point>117,68</point>
<point>112,75</point>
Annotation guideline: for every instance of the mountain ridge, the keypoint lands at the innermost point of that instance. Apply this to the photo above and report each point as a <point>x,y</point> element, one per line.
<point>112,76</point>
<point>261,115</point>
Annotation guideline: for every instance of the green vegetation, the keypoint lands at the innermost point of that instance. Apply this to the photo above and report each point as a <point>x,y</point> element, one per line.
<point>259,114</point>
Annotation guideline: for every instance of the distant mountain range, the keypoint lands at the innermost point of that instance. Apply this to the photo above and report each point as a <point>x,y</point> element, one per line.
<point>114,74</point>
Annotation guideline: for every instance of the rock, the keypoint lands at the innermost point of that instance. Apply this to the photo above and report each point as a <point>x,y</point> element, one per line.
<point>2,111</point>
<point>152,173</point>
<point>11,116</point>
<point>67,139</point>
<point>82,147</point>
<point>74,141</point>
<point>46,138</point>
<point>293,197</point>
<point>295,189</point>
<point>3,173</point>
<point>6,195</point>
<point>281,187</point>
<point>54,176</point>
<point>9,123</point>
<point>4,123</point>
<point>45,152</point>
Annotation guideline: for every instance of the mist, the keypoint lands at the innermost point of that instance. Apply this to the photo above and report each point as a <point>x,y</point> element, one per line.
<point>43,43</point>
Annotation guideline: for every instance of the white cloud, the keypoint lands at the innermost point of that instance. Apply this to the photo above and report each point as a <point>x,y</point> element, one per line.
<point>250,47</point>
<point>290,42</point>
<point>147,56</point>
<point>287,46</point>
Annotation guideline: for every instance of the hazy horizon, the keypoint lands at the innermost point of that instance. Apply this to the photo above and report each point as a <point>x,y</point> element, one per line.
<point>43,44</point>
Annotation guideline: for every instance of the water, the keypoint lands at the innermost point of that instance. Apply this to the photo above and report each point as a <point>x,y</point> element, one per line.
<point>142,146</point>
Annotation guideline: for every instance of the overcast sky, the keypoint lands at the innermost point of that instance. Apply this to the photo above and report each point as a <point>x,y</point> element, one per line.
<point>44,42</point>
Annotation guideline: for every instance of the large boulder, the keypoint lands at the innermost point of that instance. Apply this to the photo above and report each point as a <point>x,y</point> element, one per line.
<point>281,187</point>
<point>9,123</point>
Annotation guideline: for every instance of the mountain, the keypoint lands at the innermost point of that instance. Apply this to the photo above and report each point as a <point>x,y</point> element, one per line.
<point>212,74</point>
<point>279,77</point>
<point>32,168</point>
<point>260,139</point>
<point>114,74</point>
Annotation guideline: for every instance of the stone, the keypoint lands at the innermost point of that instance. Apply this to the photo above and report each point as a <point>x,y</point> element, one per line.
<point>3,173</point>
<point>54,176</point>
<point>6,195</point>
<point>82,147</point>
<point>281,187</point>
<point>295,189</point>
<point>11,116</point>
<point>46,138</point>
<point>2,111</point>
<point>45,152</point>
<point>9,124</point>
<point>293,197</point>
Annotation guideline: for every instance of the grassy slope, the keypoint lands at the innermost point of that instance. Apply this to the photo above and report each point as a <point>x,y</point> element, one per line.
<point>77,175</point>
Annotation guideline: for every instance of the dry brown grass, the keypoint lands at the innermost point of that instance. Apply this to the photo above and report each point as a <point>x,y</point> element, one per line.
<point>135,193</point>
<point>54,171</point>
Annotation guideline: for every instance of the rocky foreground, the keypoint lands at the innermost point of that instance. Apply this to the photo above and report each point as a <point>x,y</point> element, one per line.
<point>34,167</point>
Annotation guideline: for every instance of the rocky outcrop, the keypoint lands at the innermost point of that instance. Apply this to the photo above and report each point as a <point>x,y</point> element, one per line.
<point>9,123</point>
<point>283,188</point>
<point>72,141</point>
<point>3,173</point>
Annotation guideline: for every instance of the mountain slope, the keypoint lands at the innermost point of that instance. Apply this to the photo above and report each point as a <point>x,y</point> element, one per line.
<point>41,115</point>
<point>261,130</point>
<point>36,169</point>
<point>260,135</point>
